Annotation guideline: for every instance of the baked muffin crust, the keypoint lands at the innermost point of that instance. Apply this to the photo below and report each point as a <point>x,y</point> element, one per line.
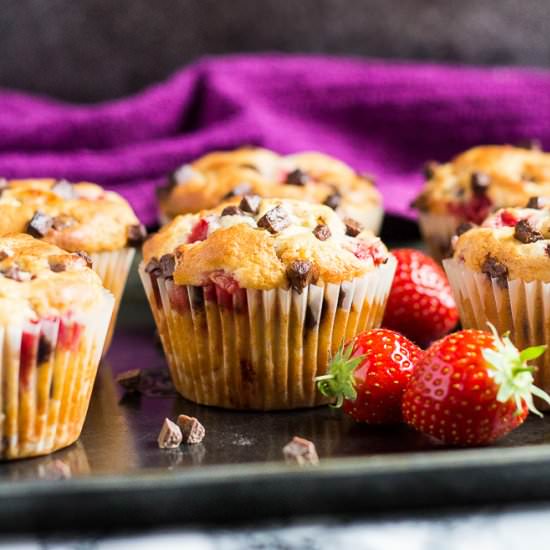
<point>259,249</point>
<point>79,216</point>
<point>308,176</point>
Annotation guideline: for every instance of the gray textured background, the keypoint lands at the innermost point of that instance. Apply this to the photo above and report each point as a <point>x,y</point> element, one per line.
<point>87,50</point>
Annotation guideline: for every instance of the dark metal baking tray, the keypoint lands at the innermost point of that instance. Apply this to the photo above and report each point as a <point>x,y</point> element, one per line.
<point>116,477</point>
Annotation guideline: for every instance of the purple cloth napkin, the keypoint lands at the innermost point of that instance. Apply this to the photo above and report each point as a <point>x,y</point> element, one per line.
<point>383,118</point>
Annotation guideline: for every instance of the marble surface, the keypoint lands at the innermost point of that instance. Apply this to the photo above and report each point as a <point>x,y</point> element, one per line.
<point>487,529</point>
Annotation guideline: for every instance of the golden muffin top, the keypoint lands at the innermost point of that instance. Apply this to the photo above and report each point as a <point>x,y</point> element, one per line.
<point>38,279</point>
<point>308,176</point>
<point>264,244</point>
<point>73,216</point>
<point>513,243</point>
<point>484,179</point>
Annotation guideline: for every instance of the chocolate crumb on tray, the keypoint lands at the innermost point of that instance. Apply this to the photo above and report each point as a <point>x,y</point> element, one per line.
<point>300,451</point>
<point>170,436</point>
<point>192,430</point>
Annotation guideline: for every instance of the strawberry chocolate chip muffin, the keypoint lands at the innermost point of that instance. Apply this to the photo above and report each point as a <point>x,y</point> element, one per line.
<point>475,184</point>
<point>79,217</point>
<point>251,300</point>
<point>500,272</point>
<point>54,315</point>
<point>312,177</point>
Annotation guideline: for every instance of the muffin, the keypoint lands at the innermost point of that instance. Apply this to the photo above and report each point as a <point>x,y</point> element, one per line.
<point>312,177</point>
<point>54,315</point>
<point>475,184</point>
<point>500,273</point>
<point>79,217</point>
<point>252,300</point>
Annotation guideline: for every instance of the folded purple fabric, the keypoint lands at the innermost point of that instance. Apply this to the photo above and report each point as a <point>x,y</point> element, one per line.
<point>383,118</point>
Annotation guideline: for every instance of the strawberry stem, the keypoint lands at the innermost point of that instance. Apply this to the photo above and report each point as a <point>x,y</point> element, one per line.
<point>339,382</point>
<point>514,377</point>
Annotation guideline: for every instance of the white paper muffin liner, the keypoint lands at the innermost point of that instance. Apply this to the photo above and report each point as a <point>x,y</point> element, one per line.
<point>113,267</point>
<point>437,231</point>
<point>265,351</point>
<point>521,308</point>
<point>48,369</point>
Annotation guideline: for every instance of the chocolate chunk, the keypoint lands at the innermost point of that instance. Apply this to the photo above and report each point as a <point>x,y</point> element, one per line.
<point>86,257</point>
<point>463,228</point>
<point>136,234</point>
<point>333,200</point>
<point>192,430</point>
<point>353,227</point>
<point>525,234</point>
<point>153,267</point>
<point>232,211</point>
<point>62,222</point>
<point>532,144</point>
<point>15,273</point>
<point>479,182</point>
<point>56,265</point>
<point>300,451</point>
<point>534,202</point>
<point>129,380</point>
<point>421,203</point>
<point>45,349</point>
<point>250,204</point>
<point>39,224</point>
<point>5,253</point>
<point>322,232</point>
<point>238,191</point>
<point>301,273</point>
<point>429,169</point>
<point>297,177</point>
<point>64,189</point>
<point>167,265</point>
<point>274,220</point>
<point>495,270</point>
<point>156,382</point>
<point>547,249</point>
<point>170,436</point>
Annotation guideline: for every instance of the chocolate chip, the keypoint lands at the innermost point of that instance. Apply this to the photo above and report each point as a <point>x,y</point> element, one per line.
<point>495,270</point>
<point>167,265</point>
<point>170,436</point>
<point>429,169</point>
<point>250,204</point>
<point>534,202</point>
<point>297,177</point>
<point>274,220</point>
<point>86,257</point>
<point>301,273</point>
<point>153,267</point>
<point>421,203</point>
<point>64,189</point>
<point>45,349</point>
<point>62,222</point>
<point>39,224</point>
<point>300,451</point>
<point>136,234</point>
<point>333,200</point>
<point>353,227</point>
<point>463,228</point>
<point>16,274</point>
<point>129,380</point>
<point>525,234</point>
<point>322,232</point>
<point>238,191</point>
<point>232,211</point>
<point>479,182</point>
<point>57,267</point>
<point>532,144</point>
<point>192,430</point>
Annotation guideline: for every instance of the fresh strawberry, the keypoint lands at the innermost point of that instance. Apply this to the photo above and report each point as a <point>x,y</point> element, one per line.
<point>420,304</point>
<point>471,388</point>
<point>199,232</point>
<point>370,374</point>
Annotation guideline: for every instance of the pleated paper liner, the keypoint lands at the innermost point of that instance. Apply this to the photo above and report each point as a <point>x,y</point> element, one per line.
<point>113,267</point>
<point>263,349</point>
<point>48,368</point>
<point>521,308</point>
<point>437,231</point>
